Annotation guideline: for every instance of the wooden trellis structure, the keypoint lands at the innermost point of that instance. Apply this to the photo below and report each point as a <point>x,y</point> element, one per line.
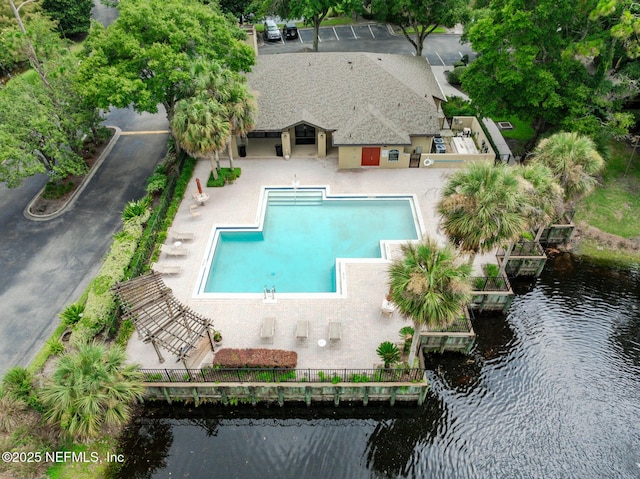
<point>159,318</point>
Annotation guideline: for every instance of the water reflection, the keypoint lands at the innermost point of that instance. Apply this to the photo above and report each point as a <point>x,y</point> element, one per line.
<point>550,391</point>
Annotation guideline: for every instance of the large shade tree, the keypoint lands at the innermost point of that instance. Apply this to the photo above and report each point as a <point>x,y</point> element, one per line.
<point>548,62</point>
<point>37,134</point>
<point>430,285</point>
<point>482,207</point>
<point>90,389</point>
<point>419,18</point>
<point>73,16</point>
<point>574,161</point>
<point>144,58</point>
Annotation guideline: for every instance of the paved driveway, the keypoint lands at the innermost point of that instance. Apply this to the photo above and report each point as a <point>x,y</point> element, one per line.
<point>46,265</point>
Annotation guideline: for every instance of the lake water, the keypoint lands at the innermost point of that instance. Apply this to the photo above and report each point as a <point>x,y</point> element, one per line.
<point>552,390</point>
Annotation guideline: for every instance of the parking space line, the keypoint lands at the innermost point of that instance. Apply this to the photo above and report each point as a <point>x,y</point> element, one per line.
<point>440,58</point>
<point>461,55</point>
<point>371,31</point>
<point>354,32</point>
<point>335,33</point>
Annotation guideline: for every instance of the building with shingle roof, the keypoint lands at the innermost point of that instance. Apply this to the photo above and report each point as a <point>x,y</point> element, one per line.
<point>374,109</point>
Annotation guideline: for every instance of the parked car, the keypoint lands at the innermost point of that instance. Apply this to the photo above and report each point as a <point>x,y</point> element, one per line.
<point>271,32</point>
<point>290,31</point>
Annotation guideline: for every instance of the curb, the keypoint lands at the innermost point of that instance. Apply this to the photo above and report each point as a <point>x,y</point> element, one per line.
<point>72,199</point>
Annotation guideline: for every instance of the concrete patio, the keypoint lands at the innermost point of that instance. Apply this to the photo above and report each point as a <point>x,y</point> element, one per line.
<point>239,320</point>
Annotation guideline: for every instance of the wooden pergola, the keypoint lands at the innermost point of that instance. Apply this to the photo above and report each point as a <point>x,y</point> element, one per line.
<point>159,318</point>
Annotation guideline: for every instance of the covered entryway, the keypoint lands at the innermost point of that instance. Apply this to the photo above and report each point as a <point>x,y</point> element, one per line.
<point>305,134</point>
<point>370,156</point>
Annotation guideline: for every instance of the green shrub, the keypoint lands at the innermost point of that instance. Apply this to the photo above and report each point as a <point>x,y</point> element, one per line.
<point>389,353</point>
<point>17,383</point>
<point>100,307</point>
<point>54,190</point>
<point>156,183</point>
<point>72,314</point>
<point>55,346</point>
<point>126,330</point>
<point>457,106</point>
<point>454,75</point>
<point>225,175</point>
<point>491,270</point>
<point>135,208</point>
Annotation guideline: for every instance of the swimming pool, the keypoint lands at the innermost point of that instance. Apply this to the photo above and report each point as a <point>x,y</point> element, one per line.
<point>301,239</point>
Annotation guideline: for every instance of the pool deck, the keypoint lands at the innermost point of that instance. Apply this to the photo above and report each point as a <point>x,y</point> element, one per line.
<point>239,320</point>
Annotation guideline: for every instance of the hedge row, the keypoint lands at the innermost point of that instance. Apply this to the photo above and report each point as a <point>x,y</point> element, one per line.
<point>100,306</point>
<point>255,358</point>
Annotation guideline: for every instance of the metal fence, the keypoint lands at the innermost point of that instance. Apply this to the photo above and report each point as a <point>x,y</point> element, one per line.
<point>279,375</point>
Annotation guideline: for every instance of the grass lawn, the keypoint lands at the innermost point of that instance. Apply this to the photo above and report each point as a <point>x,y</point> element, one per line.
<point>92,464</point>
<point>614,207</point>
<point>522,130</point>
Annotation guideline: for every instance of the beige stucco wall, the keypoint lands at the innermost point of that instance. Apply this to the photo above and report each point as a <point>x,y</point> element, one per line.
<point>252,38</point>
<point>349,157</point>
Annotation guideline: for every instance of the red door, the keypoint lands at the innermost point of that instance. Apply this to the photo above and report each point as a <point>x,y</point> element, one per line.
<point>370,156</point>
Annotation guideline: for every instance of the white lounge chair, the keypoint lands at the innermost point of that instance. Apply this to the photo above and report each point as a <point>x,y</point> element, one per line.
<point>302,330</point>
<point>180,236</point>
<point>166,268</point>
<point>193,209</point>
<point>335,333</point>
<point>173,250</point>
<point>268,329</point>
<point>387,308</point>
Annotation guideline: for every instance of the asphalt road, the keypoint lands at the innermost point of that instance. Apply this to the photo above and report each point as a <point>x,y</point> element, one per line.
<point>439,49</point>
<point>46,265</point>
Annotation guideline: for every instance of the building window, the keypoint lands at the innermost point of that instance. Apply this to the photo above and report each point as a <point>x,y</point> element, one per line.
<point>394,155</point>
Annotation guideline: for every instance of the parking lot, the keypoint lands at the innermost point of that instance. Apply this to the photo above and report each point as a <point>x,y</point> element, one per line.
<point>438,49</point>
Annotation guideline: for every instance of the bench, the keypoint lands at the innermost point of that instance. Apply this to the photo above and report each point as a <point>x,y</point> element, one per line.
<point>268,329</point>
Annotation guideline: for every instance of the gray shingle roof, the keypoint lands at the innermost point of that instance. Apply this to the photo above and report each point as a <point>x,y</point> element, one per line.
<point>366,98</point>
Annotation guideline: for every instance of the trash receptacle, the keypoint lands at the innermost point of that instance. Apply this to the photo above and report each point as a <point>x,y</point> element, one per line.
<point>278,150</point>
<point>242,150</point>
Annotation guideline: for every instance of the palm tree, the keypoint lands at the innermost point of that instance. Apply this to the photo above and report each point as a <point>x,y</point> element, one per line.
<point>430,285</point>
<point>573,159</point>
<point>241,109</point>
<point>482,207</point>
<point>544,195</point>
<point>90,389</point>
<point>231,91</point>
<point>200,126</point>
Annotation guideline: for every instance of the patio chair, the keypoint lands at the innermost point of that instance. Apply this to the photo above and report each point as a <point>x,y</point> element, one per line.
<point>388,308</point>
<point>166,268</point>
<point>268,329</point>
<point>173,250</point>
<point>193,209</point>
<point>302,331</point>
<point>180,236</point>
<point>200,198</point>
<point>335,333</point>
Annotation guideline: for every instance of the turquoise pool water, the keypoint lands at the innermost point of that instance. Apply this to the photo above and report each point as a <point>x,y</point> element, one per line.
<point>300,240</point>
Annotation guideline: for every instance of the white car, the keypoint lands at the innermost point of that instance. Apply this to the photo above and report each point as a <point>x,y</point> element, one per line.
<point>271,32</point>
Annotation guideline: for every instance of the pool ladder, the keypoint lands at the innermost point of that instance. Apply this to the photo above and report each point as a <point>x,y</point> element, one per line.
<point>271,292</point>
